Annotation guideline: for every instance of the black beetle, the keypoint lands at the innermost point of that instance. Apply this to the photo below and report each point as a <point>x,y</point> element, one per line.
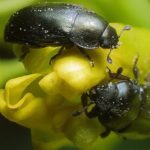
<point>63,24</point>
<point>118,104</point>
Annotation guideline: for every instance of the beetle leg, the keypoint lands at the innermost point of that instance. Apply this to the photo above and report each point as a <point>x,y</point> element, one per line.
<point>105,133</point>
<point>115,75</point>
<point>93,112</point>
<point>25,51</point>
<point>118,74</point>
<point>125,128</point>
<point>87,56</point>
<point>59,53</point>
<point>85,104</point>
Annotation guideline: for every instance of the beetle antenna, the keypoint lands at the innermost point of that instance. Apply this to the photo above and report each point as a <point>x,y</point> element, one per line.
<point>135,69</point>
<point>109,60</point>
<point>125,28</point>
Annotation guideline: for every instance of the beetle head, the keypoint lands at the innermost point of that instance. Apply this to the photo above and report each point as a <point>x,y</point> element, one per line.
<point>109,38</point>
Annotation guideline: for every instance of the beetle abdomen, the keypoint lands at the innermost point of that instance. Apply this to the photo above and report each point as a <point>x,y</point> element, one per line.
<point>42,25</point>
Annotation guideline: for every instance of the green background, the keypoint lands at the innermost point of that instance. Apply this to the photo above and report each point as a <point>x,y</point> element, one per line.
<point>133,12</point>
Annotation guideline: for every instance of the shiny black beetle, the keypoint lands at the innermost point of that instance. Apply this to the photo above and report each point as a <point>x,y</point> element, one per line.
<point>63,24</point>
<point>118,105</point>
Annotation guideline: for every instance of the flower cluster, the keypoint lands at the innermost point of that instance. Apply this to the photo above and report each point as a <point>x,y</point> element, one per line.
<point>45,99</point>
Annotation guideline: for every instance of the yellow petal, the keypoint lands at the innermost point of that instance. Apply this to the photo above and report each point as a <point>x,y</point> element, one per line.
<point>15,88</point>
<point>75,69</point>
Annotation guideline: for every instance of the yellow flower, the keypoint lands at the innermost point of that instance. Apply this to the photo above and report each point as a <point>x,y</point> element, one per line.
<point>45,99</point>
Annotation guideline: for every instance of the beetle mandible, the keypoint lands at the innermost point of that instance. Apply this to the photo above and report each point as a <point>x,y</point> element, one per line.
<point>61,24</point>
